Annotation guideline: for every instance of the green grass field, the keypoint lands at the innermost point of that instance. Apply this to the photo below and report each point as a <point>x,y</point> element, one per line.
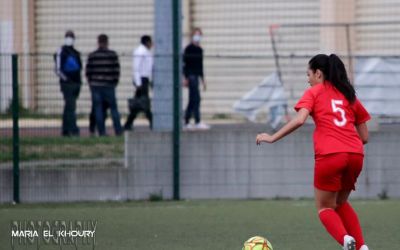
<point>209,224</point>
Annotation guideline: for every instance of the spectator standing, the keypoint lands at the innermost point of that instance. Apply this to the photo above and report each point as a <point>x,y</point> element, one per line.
<point>102,72</point>
<point>142,76</point>
<point>193,73</point>
<point>68,68</point>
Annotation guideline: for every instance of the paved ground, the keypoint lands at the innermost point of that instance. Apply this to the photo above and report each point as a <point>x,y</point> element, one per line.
<point>52,127</point>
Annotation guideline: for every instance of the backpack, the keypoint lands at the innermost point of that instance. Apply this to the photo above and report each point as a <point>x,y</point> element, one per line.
<point>71,64</point>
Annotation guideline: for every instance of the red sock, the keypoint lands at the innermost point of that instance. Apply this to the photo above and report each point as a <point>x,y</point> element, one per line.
<point>333,224</point>
<point>351,222</point>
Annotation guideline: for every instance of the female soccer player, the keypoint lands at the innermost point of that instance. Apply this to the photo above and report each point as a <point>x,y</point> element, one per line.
<point>340,133</point>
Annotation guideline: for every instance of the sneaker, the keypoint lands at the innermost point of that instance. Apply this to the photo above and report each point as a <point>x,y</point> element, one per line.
<point>364,247</point>
<point>188,126</point>
<point>202,126</point>
<point>349,243</point>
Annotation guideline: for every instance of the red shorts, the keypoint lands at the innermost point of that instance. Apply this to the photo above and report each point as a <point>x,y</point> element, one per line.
<point>339,171</point>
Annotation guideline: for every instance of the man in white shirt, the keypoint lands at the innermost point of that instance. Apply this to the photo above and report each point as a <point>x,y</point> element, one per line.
<point>142,76</point>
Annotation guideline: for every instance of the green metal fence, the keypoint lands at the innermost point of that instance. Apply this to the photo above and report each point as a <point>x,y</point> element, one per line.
<point>242,46</point>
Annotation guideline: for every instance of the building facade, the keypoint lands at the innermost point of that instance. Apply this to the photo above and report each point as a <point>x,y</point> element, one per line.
<point>237,42</point>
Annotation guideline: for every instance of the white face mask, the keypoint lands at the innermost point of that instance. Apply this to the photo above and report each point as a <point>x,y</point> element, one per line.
<point>69,41</point>
<point>196,38</point>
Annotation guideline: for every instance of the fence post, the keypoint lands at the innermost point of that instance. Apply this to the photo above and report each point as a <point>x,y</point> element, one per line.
<point>15,111</point>
<point>176,95</point>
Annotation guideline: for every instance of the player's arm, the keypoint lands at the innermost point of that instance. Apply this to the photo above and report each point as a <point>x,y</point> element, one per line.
<point>362,131</point>
<point>291,126</point>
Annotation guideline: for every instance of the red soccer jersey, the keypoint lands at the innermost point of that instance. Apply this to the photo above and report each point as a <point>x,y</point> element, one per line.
<point>335,119</point>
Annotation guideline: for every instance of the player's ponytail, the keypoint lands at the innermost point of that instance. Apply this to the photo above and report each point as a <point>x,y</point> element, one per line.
<point>338,77</point>
<point>334,72</point>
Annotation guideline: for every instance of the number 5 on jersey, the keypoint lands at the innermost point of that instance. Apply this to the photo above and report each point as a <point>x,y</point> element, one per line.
<point>336,109</point>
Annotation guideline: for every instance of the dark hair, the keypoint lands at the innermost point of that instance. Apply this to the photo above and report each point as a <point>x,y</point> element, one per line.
<point>334,72</point>
<point>145,39</point>
<point>197,29</point>
<point>102,39</point>
<point>69,33</point>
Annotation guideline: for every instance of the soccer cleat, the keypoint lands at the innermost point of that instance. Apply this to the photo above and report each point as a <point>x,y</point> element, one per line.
<point>349,243</point>
<point>364,247</point>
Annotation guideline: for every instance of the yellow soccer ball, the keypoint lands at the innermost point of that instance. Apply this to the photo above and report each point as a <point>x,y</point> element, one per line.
<point>257,243</point>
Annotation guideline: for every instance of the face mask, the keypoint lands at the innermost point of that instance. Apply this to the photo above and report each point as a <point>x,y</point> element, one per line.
<point>69,41</point>
<point>196,38</point>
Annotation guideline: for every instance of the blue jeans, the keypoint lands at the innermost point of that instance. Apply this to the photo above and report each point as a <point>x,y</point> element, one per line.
<point>70,93</point>
<point>193,107</point>
<point>101,95</point>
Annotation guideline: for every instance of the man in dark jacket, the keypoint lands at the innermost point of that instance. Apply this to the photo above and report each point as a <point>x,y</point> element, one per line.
<point>193,74</point>
<point>68,69</point>
<point>102,72</point>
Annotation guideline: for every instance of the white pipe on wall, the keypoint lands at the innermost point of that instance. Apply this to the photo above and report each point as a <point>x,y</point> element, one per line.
<point>6,48</point>
<point>26,93</point>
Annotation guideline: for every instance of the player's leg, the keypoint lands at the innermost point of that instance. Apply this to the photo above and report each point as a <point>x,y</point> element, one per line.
<point>325,202</point>
<point>349,217</point>
<point>344,208</point>
<point>327,183</point>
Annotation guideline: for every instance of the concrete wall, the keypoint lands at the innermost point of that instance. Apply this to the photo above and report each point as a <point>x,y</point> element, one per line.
<point>228,164</point>
<point>59,185</point>
<point>216,164</point>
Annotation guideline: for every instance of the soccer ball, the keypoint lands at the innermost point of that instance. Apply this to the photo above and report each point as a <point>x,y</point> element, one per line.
<point>257,243</point>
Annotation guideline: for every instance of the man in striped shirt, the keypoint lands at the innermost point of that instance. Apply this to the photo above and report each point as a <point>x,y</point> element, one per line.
<point>102,72</point>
